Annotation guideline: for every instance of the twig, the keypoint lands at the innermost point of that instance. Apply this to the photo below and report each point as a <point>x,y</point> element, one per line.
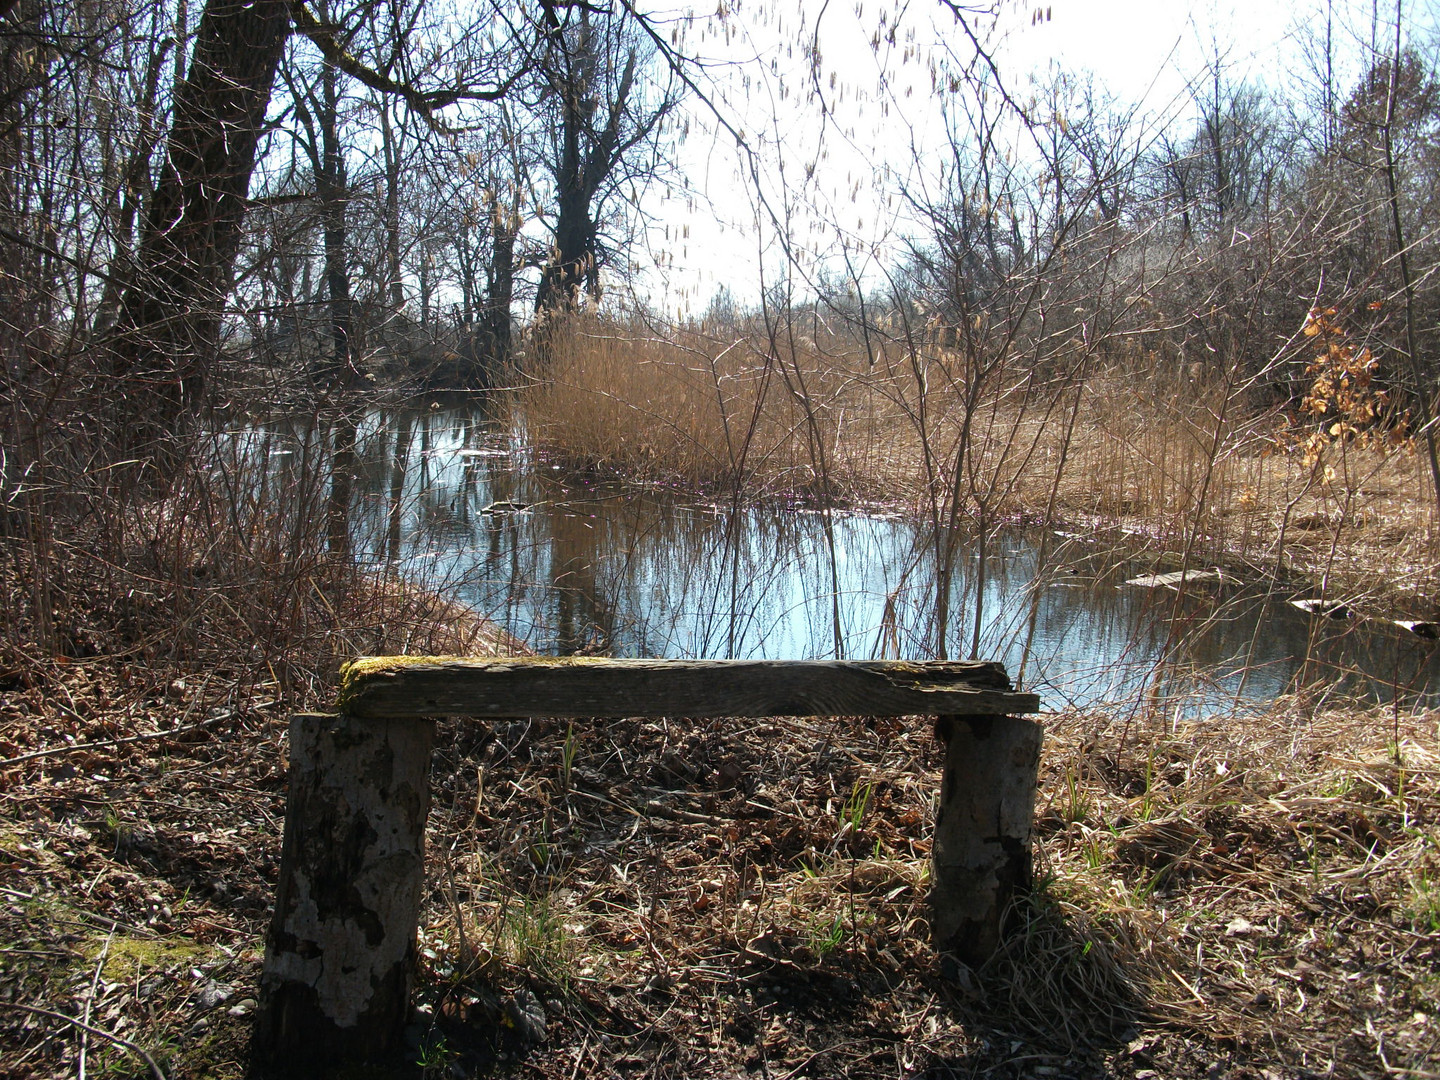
<point>652,809</point>
<point>90,1002</point>
<point>452,894</point>
<point>580,1057</point>
<point>806,1063</point>
<point>53,751</point>
<point>10,856</point>
<point>114,924</point>
<point>116,1039</point>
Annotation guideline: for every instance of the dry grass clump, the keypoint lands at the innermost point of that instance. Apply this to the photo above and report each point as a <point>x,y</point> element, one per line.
<point>1283,866</point>
<point>745,411</point>
<point>1175,465</point>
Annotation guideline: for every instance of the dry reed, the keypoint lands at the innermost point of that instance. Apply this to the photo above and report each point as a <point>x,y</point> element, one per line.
<point>1196,467</point>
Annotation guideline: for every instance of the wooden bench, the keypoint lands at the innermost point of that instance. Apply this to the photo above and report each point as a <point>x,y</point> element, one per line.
<point>340,954</point>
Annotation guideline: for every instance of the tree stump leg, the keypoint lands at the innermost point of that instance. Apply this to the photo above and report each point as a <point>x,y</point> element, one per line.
<point>982,830</point>
<point>340,954</point>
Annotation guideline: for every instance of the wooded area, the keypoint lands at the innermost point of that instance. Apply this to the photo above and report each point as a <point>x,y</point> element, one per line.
<point>248,248</point>
<point>261,205</point>
<point>293,197</point>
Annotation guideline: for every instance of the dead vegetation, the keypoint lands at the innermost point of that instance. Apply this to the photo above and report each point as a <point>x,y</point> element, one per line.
<point>1248,897</point>
<point>1244,897</point>
<point>1197,467</point>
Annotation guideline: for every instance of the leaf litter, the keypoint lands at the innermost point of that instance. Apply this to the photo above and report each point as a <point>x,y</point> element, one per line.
<point>683,898</point>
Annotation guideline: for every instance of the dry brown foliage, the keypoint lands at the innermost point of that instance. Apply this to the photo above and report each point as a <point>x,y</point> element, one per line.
<point>1242,897</point>
<point>1190,463</point>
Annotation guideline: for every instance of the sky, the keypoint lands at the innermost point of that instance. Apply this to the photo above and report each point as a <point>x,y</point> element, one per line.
<point>836,112</point>
<point>1140,49</point>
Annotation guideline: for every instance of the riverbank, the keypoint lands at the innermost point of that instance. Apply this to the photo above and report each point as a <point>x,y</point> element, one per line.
<point>1192,469</point>
<point>675,899</point>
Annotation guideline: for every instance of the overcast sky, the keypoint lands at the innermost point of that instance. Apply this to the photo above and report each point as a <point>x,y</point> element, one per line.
<point>832,137</point>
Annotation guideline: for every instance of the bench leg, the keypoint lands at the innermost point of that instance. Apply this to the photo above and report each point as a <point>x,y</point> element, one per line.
<point>340,954</point>
<point>982,830</point>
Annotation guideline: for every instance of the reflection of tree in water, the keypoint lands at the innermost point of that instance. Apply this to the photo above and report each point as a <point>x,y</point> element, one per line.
<point>403,424</point>
<point>638,573</point>
<point>584,614</point>
<point>450,484</point>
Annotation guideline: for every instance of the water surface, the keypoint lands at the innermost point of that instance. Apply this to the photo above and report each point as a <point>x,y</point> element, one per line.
<point>461,505</point>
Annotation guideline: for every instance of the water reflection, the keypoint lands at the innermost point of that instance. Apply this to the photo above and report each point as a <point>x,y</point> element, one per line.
<point>461,505</point>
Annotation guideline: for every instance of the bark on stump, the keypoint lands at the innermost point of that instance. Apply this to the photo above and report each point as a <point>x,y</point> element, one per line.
<point>982,830</point>
<point>340,955</point>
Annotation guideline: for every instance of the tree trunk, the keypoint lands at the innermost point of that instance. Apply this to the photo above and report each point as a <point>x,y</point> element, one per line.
<point>565,273</point>
<point>340,955</point>
<point>496,325</point>
<point>24,69</point>
<point>574,258</point>
<point>331,186</point>
<point>164,341</point>
<point>395,286</point>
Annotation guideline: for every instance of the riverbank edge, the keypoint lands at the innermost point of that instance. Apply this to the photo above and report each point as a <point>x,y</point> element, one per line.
<point>1362,574</point>
<point>1371,590</point>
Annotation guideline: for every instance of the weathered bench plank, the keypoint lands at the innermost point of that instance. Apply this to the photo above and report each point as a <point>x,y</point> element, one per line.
<point>586,686</point>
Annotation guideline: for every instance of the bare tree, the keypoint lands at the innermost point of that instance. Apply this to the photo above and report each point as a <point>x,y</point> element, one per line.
<point>317,112</point>
<point>596,67</point>
<point>164,342</point>
<point>169,323</point>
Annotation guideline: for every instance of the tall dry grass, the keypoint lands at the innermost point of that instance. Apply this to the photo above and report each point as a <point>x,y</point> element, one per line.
<point>1195,463</point>
<point>709,408</point>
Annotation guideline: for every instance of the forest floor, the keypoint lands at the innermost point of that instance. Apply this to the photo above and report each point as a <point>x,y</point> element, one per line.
<point>1245,897</point>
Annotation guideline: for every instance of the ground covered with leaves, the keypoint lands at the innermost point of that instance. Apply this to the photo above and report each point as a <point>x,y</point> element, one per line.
<point>1252,897</point>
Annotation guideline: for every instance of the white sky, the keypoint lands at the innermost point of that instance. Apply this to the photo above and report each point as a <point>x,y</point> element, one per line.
<point>1140,48</point>
<point>882,118</point>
